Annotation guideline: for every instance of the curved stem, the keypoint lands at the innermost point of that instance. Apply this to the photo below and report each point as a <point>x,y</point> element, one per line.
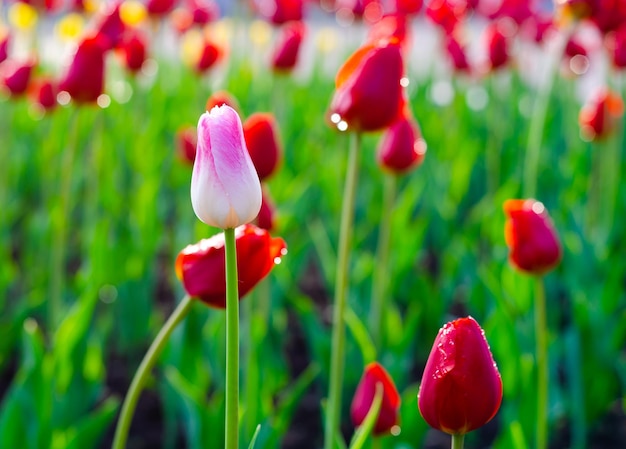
<point>368,424</point>
<point>457,441</point>
<point>381,267</point>
<point>541,342</point>
<point>538,119</point>
<point>141,375</point>
<point>232,343</point>
<point>333,409</point>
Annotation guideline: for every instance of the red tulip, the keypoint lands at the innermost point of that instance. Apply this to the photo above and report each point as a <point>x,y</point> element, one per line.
<point>373,375</point>
<point>280,11</point>
<point>263,142</point>
<point>601,115</point>
<point>221,97</point>
<point>265,219</point>
<point>457,55</point>
<point>407,6</point>
<point>461,387</point>
<point>498,45</point>
<point>447,14</point>
<point>186,141</point>
<point>15,76</point>
<point>44,93</point>
<point>287,46</point>
<point>209,56</point>
<point>368,93</point>
<point>402,146</point>
<point>518,10</point>
<point>84,80</point>
<point>390,27</point>
<point>133,51</point>
<point>201,267</point>
<point>617,46</point>
<point>160,8</point>
<point>111,26</point>
<point>530,235</point>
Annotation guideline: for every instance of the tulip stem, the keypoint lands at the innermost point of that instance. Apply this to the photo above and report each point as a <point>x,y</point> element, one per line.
<point>367,427</point>
<point>141,375</point>
<point>232,343</point>
<point>458,439</point>
<point>337,361</point>
<point>538,119</point>
<point>541,342</point>
<point>381,268</point>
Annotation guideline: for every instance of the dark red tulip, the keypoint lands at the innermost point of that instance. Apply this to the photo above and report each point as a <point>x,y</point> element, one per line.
<point>263,141</point>
<point>368,94</point>
<point>265,219</point>
<point>534,246</point>
<point>497,45</point>
<point>617,47</point>
<point>287,46</point>
<point>221,97</point>
<point>280,11</point>
<point>201,267</point>
<point>44,93</point>
<point>133,50</point>
<point>15,76</point>
<point>160,8</point>
<point>601,115</point>
<point>456,53</point>
<point>461,387</point>
<point>209,56</point>
<point>406,7</point>
<point>186,141</point>
<point>402,146</point>
<point>606,15</point>
<point>84,79</point>
<point>363,399</point>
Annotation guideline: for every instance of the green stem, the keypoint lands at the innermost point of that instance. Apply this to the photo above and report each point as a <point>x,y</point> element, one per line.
<point>232,343</point>
<point>458,441</point>
<point>538,119</point>
<point>337,361</point>
<point>367,426</point>
<point>380,276</point>
<point>141,375</point>
<point>60,220</point>
<point>541,342</point>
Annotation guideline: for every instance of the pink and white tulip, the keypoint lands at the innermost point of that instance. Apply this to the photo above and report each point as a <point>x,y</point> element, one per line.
<point>225,187</point>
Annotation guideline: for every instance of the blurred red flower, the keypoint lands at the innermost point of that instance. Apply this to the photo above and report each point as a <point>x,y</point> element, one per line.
<point>133,50</point>
<point>160,8</point>
<point>263,141</point>
<point>406,6</point>
<point>280,11</point>
<point>287,47</point>
<point>15,76</point>
<point>221,97</point>
<point>368,94</point>
<point>390,27</point>
<point>201,267</point>
<point>5,38</point>
<point>531,237</point>
<point>497,45</point>
<point>363,399</point>
<point>84,79</point>
<point>601,115</point>
<point>186,141</point>
<point>209,55</point>
<point>265,219</point>
<point>447,14</point>
<point>402,147</point>
<point>44,93</point>
<point>461,387</point>
<point>617,46</point>
<point>456,53</point>
<point>109,25</point>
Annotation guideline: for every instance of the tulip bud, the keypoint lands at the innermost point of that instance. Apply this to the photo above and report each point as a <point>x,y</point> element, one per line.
<point>285,55</point>
<point>402,146</point>
<point>531,237</point>
<point>368,94</point>
<point>44,93</point>
<point>601,115</point>
<point>186,142</point>
<point>265,219</point>
<point>364,397</point>
<point>84,80</point>
<point>133,50</point>
<point>263,143</point>
<point>461,388</point>
<point>281,11</point>
<point>15,77</point>
<point>202,267</point>
<point>225,187</point>
<point>457,55</point>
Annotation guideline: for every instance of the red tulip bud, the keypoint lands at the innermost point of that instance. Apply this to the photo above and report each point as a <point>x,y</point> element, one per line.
<point>44,93</point>
<point>601,115</point>
<point>530,235</point>
<point>402,146</point>
<point>265,219</point>
<point>263,142</point>
<point>461,388</point>
<point>202,270</point>
<point>15,76</point>
<point>280,11</point>
<point>287,47</point>
<point>222,97</point>
<point>186,141</point>
<point>84,80</point>
<point>364,397</point>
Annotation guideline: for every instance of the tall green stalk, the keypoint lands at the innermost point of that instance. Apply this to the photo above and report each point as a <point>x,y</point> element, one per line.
<point>458,441</point>
<point>60,221</point>
<point>538,119</point>
<point>333,408</point>
<point>232,343</point>
<point>380,278</point>
<point>541,354</point>
<point>142,373</point>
